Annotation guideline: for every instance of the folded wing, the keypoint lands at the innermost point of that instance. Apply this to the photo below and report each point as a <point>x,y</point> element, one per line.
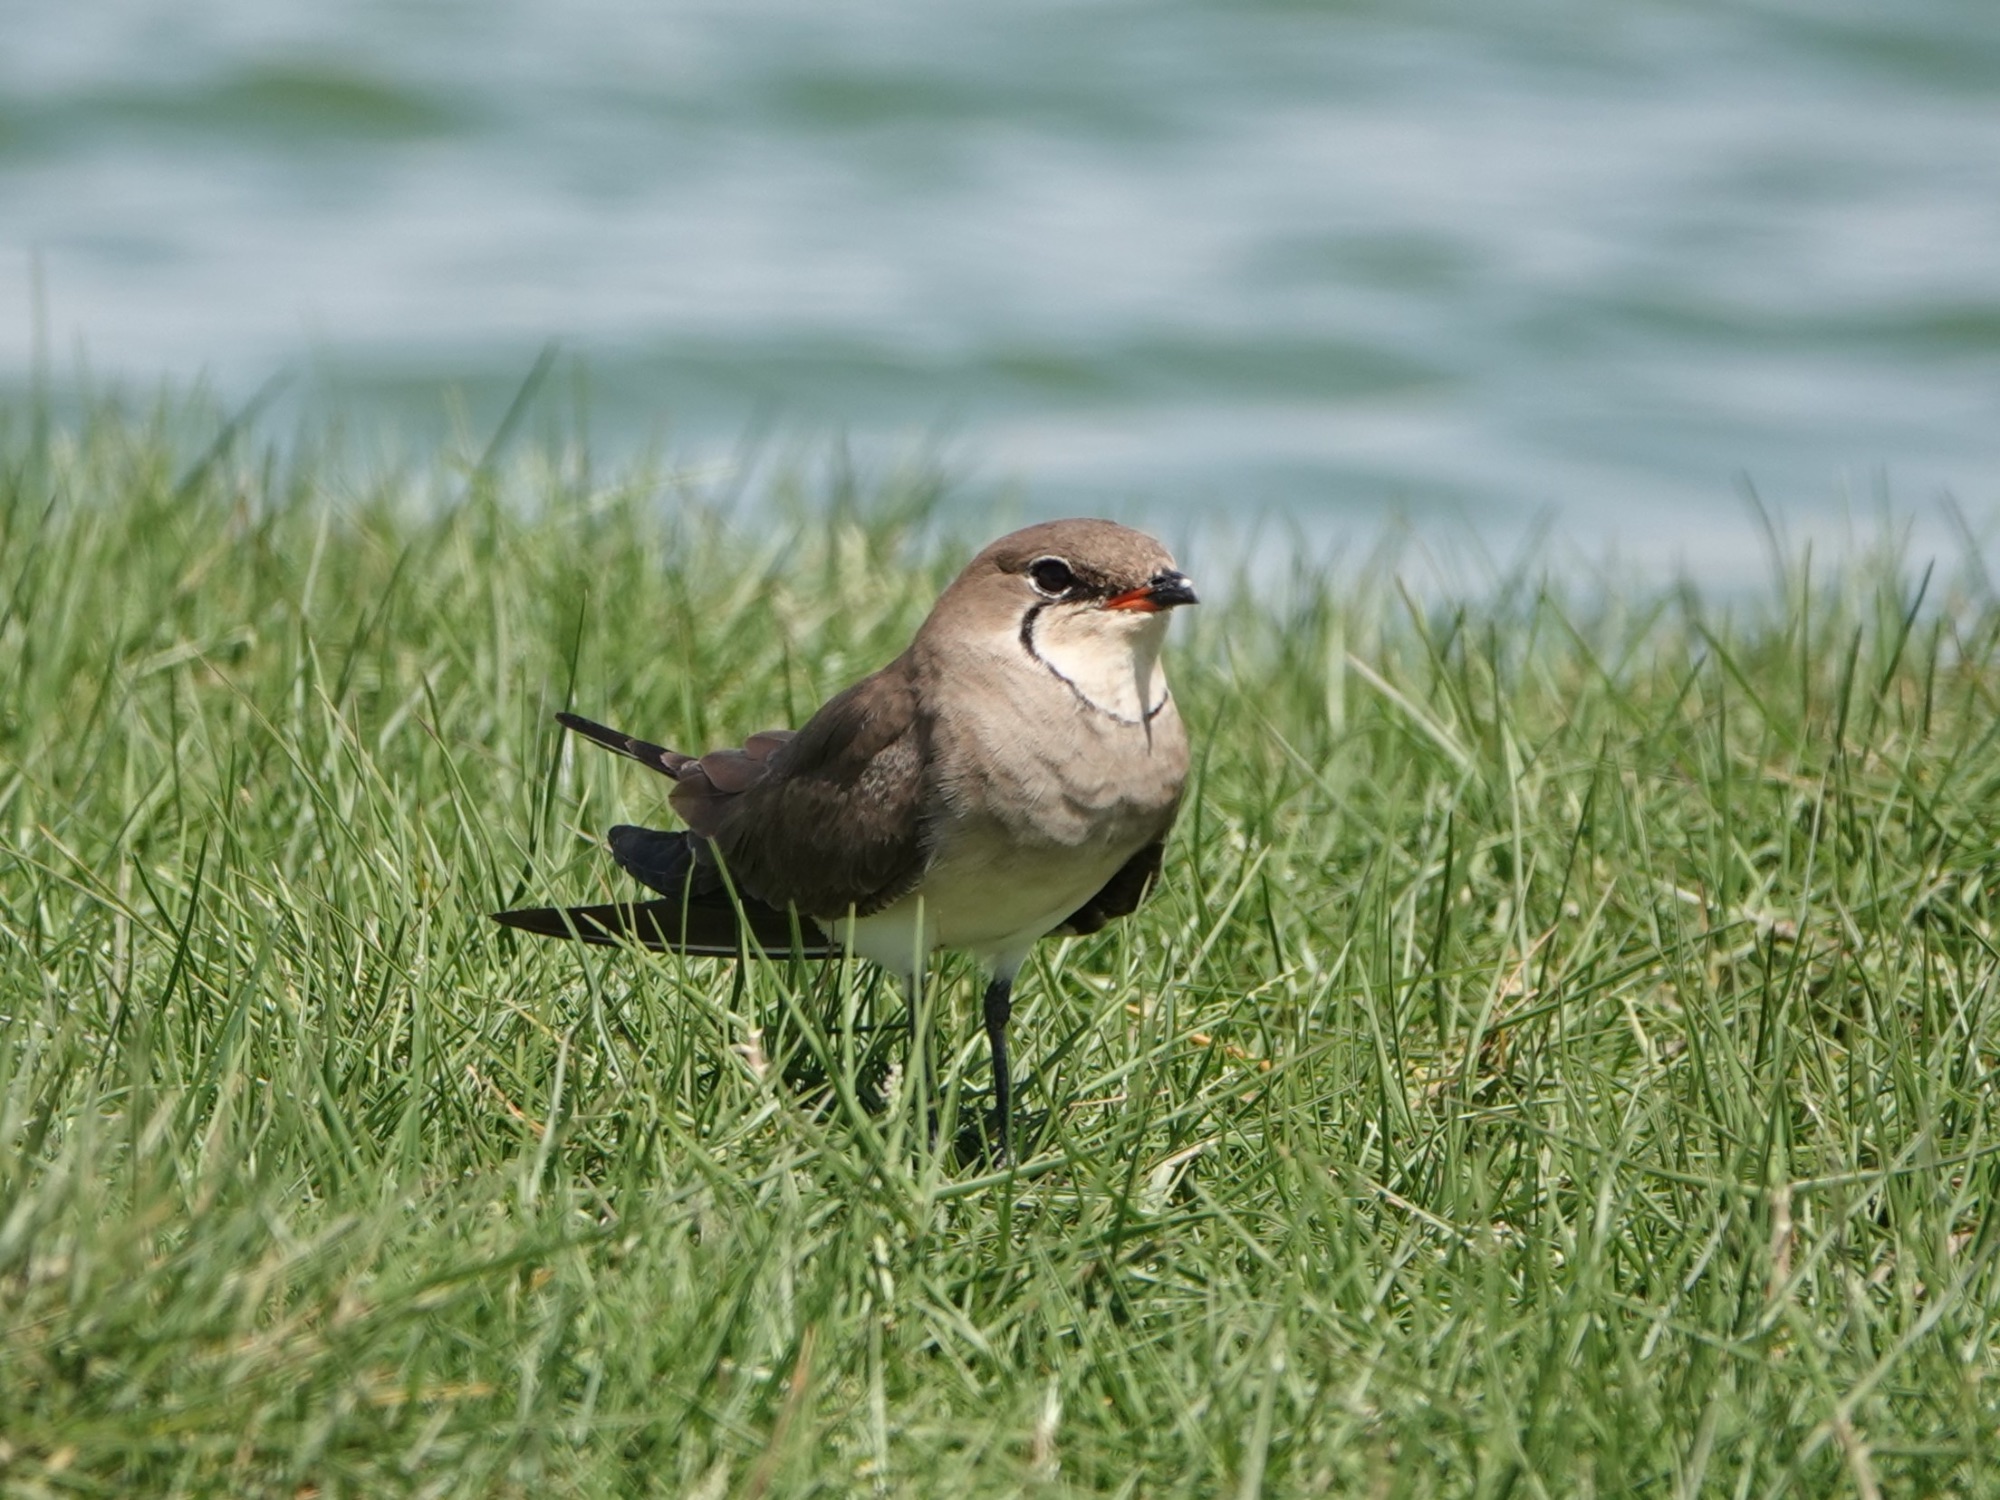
<point>819,823</point>
<point>830,819</point>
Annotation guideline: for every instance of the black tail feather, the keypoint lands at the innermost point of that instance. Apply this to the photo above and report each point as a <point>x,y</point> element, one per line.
<point>670,862</point>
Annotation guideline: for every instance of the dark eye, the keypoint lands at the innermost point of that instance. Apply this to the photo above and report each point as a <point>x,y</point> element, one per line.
<point>1052,576</point>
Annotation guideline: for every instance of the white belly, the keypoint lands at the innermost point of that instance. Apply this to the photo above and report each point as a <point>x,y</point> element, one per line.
<point>1047,793</point>
<point>988,899</point>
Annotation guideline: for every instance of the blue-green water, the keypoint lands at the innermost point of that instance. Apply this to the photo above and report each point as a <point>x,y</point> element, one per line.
<point>1597,261</point>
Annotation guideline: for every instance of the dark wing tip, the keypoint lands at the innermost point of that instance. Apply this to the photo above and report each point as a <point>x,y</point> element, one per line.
<point>656,757</point>
<point>545,921</point>
<point>590,729</point>
<point>697,928</point>
<point>1121,894</point>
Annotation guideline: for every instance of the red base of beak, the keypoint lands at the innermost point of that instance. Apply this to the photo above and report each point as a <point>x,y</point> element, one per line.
<point>1140,599</point>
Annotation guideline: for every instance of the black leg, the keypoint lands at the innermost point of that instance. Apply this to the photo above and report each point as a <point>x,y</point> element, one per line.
<point>999,1006</point>
<point>920,1055</point>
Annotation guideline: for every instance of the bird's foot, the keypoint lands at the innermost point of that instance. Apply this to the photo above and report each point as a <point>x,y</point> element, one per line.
<point>979,1143</point>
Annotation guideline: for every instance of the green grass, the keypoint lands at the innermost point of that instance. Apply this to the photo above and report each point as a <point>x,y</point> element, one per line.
<point>1560,1060</point>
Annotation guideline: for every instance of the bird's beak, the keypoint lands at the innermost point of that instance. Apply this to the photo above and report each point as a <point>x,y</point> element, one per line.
<point>1163,590</point>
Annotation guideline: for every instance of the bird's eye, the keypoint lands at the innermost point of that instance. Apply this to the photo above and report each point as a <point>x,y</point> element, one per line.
<point>1052,576</point>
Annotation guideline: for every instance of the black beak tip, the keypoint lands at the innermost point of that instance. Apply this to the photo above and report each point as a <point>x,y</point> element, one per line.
<point>1171,589</point>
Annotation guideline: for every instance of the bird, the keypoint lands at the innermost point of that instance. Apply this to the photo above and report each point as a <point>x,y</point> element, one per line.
<point>1012,775</point>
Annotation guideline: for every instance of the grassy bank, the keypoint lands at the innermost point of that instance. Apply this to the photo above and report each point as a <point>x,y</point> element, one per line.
<point>1561,1058</point>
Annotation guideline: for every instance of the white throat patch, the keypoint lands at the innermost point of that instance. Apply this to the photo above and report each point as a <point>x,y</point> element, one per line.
<point>1110,658</point>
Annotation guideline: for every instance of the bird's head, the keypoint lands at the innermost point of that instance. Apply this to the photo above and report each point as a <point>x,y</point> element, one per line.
<point>1088,599</point>
<point>1096,576</point>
